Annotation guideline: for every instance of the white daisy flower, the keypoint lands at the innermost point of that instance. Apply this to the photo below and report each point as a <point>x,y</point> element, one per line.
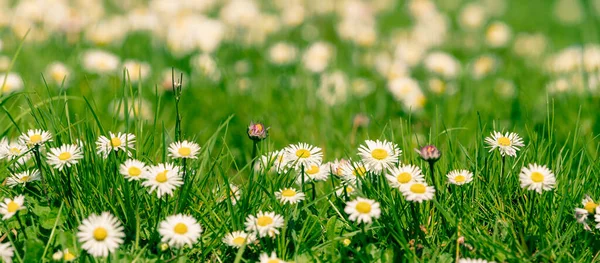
<point>507,144</point>
<point>352,171</point>
<point>273,161</point>
<point>537,177</point>
<point>10,207</point>
<point>115,142</point>
<point>23,178</point>
<point>35,137</point>
<point>336,167</point>
<point>264,224</point>
<point>11,151</point>
<point>588,204</point>
<point>417,191</point>
<point>313,173</point>
<point>405,174</point>
<point>346,190</point>
<point>66,155</point>
<point>362,210</point>
<point>289,196</point>
<point>65,255</point>
<point>133,169</point>
<point>6,252</point>
<point>265,258</point>
<point>581,216</point>
<point>303,154</point>
<point>179,230</point>
<point>163,178</point>
<point>460,177</point>
<point>100,234</point>
<point>184,149</point>
<point>379,155</point>
<point>238,238</point>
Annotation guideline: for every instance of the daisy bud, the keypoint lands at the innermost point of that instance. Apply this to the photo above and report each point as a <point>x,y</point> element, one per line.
<point>257,131</point>
<point>429,153</point>
<point>346,242</point>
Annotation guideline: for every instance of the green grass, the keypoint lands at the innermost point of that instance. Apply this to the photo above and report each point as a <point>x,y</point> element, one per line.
<point>498,220</point>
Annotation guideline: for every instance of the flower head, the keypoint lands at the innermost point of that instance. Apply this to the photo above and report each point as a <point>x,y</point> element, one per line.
<point>265,258</point>
<point>257,131</point>
<point>289,196</point>
<point>64,255</point>
<point>133,170</point>
<point>238,238</point>
<point>303,154</point>
<point>379,155</point>
<point>184,150</point>
<point>6,252</point>
<point>312,173</point>
<point>405,174</point>
<point>417,191</point>
<point>35,137</point>
<point>429,153</point>
<point>537,177</point>
<point>264,224</point>
<point>507,144</point>
<point>115,142</point>
<point>362,210</point>
<point>23,178</point>
<point>64,156</point>
<point>163,179</point>
<point>10,207</point>
<point>100,234</point>
<point>14,150</point>
<point>460,177</point>
<point>179,230</point>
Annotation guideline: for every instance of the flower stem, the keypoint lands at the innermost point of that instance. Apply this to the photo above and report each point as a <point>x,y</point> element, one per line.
<point>38,163</point>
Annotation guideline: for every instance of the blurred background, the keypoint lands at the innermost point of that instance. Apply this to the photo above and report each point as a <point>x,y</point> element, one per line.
<point>331,73</point>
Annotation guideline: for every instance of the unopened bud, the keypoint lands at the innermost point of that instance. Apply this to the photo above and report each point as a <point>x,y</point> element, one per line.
<point>257,131</point>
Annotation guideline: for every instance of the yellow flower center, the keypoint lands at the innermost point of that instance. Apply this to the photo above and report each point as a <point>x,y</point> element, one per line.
<point>359,171</point>
<point>537,177</point>
<point>100,233</point>
<point>25,178</point>
<point>418,188</point>
<point>313,169</point>
<point>64,156</point>
<point>36,138</point>
<point>363,207</point>
<point>68,256</point>
<point>404,177</point>
<point>264,221</point>
<point>303,153</point>
<point>180,228</point>
<point>15,151</point>
<point>115,142</point>
<point>459,178</point>
<point>162,176</point>
<point>12,207</point>
<point>288,193</point>
<point>503,141</point>
<point>379,154</point>
<point>134,171</point>
<point>184,151</point>
<point>273,261</point>
<point>239,241</point>
<point>590,207</point>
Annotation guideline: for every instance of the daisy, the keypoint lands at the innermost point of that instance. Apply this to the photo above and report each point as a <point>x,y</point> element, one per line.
<point>64,255</point>
<point>6,252</point>
<point>23,178</point>
<point>582,216</point>
<point>537,177</point>
<point>238,238</point>
<point>346,190</point>
<point>507,144</point>
<point>270,162</point>
<point>588,204</point>
<point>11,151</point>
<point>183,150</point>
<point>312,173</point>
<point>35,137</point>
<point>399,176</point>
<point>115,142</point>
<point>66,155</point>
<point>379,155</point>
<point>336,167</point>
<point>597,217</point>
<point>289,196</point>
<point>163,178</point>
<point>179,230</point>
<point>264,223</point>
<point>10,207</point>
<point>460,177</point>
<point>417,191</point>
<point>362,210</point>
<point>351,172</point>
<point>303,154</point>
<point>100,234</point>
<point>265,258</point>
<point>133,169</point>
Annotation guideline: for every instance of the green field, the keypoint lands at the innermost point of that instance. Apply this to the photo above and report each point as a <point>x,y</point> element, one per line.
<point>180,131</point>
